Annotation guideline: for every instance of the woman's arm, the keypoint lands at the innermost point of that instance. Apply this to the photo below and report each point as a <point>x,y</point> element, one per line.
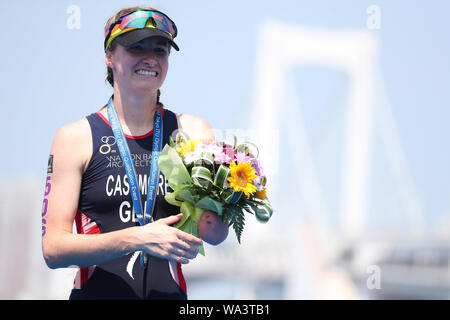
<point>197,128</point>
<point>71,151</point>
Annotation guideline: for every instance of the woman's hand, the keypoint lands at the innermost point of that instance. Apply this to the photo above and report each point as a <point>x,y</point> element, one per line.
<point>211,228</point>
<point>161,240</point>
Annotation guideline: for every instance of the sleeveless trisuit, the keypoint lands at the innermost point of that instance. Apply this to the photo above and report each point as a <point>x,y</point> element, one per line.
<point>105,205</point>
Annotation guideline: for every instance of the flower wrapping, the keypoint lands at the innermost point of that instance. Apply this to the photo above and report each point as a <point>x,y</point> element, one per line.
<point>213,175</point>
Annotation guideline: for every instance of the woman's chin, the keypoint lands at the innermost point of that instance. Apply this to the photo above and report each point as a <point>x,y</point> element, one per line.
<point>143,87</point>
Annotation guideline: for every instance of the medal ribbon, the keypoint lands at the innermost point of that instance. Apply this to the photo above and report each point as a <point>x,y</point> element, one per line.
<point>144,216</point>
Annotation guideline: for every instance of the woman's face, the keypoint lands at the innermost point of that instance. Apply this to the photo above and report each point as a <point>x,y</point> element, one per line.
<point>142,67</point>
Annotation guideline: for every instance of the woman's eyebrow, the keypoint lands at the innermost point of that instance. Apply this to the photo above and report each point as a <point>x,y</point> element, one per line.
<point>139,43</point>
<point>162,43</point>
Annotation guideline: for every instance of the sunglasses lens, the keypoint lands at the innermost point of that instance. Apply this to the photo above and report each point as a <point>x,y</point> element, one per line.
<point>136,20</point>
<point>163,23</point>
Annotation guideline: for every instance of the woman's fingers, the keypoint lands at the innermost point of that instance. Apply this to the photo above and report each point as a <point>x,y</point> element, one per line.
<point>171,219</point>
<point>171,243</point>
<point>179,254</point>
<point>189,238</point>
<point>181,235</point>
<point>188,250</point>
<point>182,260</point>
<point>182,252</point>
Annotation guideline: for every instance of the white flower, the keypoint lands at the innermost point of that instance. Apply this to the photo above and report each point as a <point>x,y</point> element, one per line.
<point>208,147</point>
<point>258,183</point>
<point>190,157</point>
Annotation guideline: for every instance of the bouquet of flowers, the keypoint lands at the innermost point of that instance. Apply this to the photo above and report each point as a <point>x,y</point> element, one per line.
<point>209,175</point>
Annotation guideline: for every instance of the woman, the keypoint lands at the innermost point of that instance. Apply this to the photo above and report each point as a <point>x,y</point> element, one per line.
<point>93,181</point>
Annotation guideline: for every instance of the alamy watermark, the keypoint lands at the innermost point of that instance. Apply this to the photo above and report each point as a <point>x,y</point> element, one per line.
<point>373,21</point>
<point>374,279</point>
<point>74,19</point>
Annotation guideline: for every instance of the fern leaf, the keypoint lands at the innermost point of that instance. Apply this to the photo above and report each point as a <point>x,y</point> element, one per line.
<point>238,224</point>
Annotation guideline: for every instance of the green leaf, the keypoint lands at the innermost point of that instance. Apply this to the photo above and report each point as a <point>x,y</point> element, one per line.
<point>171,142</point>
<point>197,214</point>
<point>187,194</point>
<point>191,227</point>
<point>207,203</point>
<point>205,159</point>
<point>172,166</point>
<point>248,147</point>
<point>234,197</point>
<point>172,199</point>
<point>263,210</point>
<point>238,222</point>
<point>181,136</point>
<point>188,210</point>
<point>221,176</point>
<point>201,176</point>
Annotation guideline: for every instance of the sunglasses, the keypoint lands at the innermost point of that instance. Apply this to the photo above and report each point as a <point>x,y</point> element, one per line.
<point>138,20</point>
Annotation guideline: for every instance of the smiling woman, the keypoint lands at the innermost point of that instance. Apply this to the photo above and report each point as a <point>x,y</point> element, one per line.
<point>133,125</point>
<point>112,45</point>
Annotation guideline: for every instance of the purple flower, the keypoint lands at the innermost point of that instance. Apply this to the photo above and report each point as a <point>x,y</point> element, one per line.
<point>257,166</point>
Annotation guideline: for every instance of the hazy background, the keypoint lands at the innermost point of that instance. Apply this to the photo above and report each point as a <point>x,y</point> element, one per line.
<point>53,73</point>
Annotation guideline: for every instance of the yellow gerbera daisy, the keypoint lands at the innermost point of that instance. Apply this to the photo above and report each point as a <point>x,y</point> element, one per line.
<point>241,178</point>
<point>186,147</point>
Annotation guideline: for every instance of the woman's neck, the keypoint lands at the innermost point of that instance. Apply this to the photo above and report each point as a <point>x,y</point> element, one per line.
<point>135,112</point>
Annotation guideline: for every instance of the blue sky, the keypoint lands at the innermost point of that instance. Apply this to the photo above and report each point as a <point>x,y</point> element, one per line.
<point>52,75</point>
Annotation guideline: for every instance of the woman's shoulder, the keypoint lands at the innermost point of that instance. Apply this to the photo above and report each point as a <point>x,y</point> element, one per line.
<point>196,127</point>
<point>74,140</point>
<point>74,131</point>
